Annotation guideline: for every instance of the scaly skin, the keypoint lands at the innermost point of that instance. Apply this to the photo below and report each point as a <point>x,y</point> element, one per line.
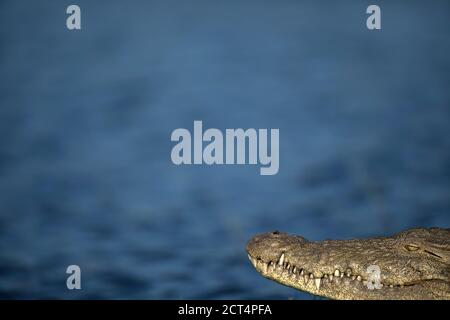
<point>413,264</point>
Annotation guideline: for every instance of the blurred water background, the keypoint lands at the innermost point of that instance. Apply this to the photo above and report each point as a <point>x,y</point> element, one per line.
<point>86,117</point>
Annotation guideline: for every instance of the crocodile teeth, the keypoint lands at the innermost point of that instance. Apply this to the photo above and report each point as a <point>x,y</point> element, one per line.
<point>303,277</point>
<point>280,262</point>
<point>317,281</point>
<point>306,279</point>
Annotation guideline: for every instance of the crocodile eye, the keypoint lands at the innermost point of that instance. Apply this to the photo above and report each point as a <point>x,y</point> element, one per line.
<point>411,247</point>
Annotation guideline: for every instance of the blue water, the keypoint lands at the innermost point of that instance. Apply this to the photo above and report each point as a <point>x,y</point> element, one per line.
<point>86,116</point>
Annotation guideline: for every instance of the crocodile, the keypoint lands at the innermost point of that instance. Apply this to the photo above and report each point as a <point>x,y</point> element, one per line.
<point>410,265</point>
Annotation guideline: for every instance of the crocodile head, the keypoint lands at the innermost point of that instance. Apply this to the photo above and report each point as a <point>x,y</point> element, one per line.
<point>414,264</point>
